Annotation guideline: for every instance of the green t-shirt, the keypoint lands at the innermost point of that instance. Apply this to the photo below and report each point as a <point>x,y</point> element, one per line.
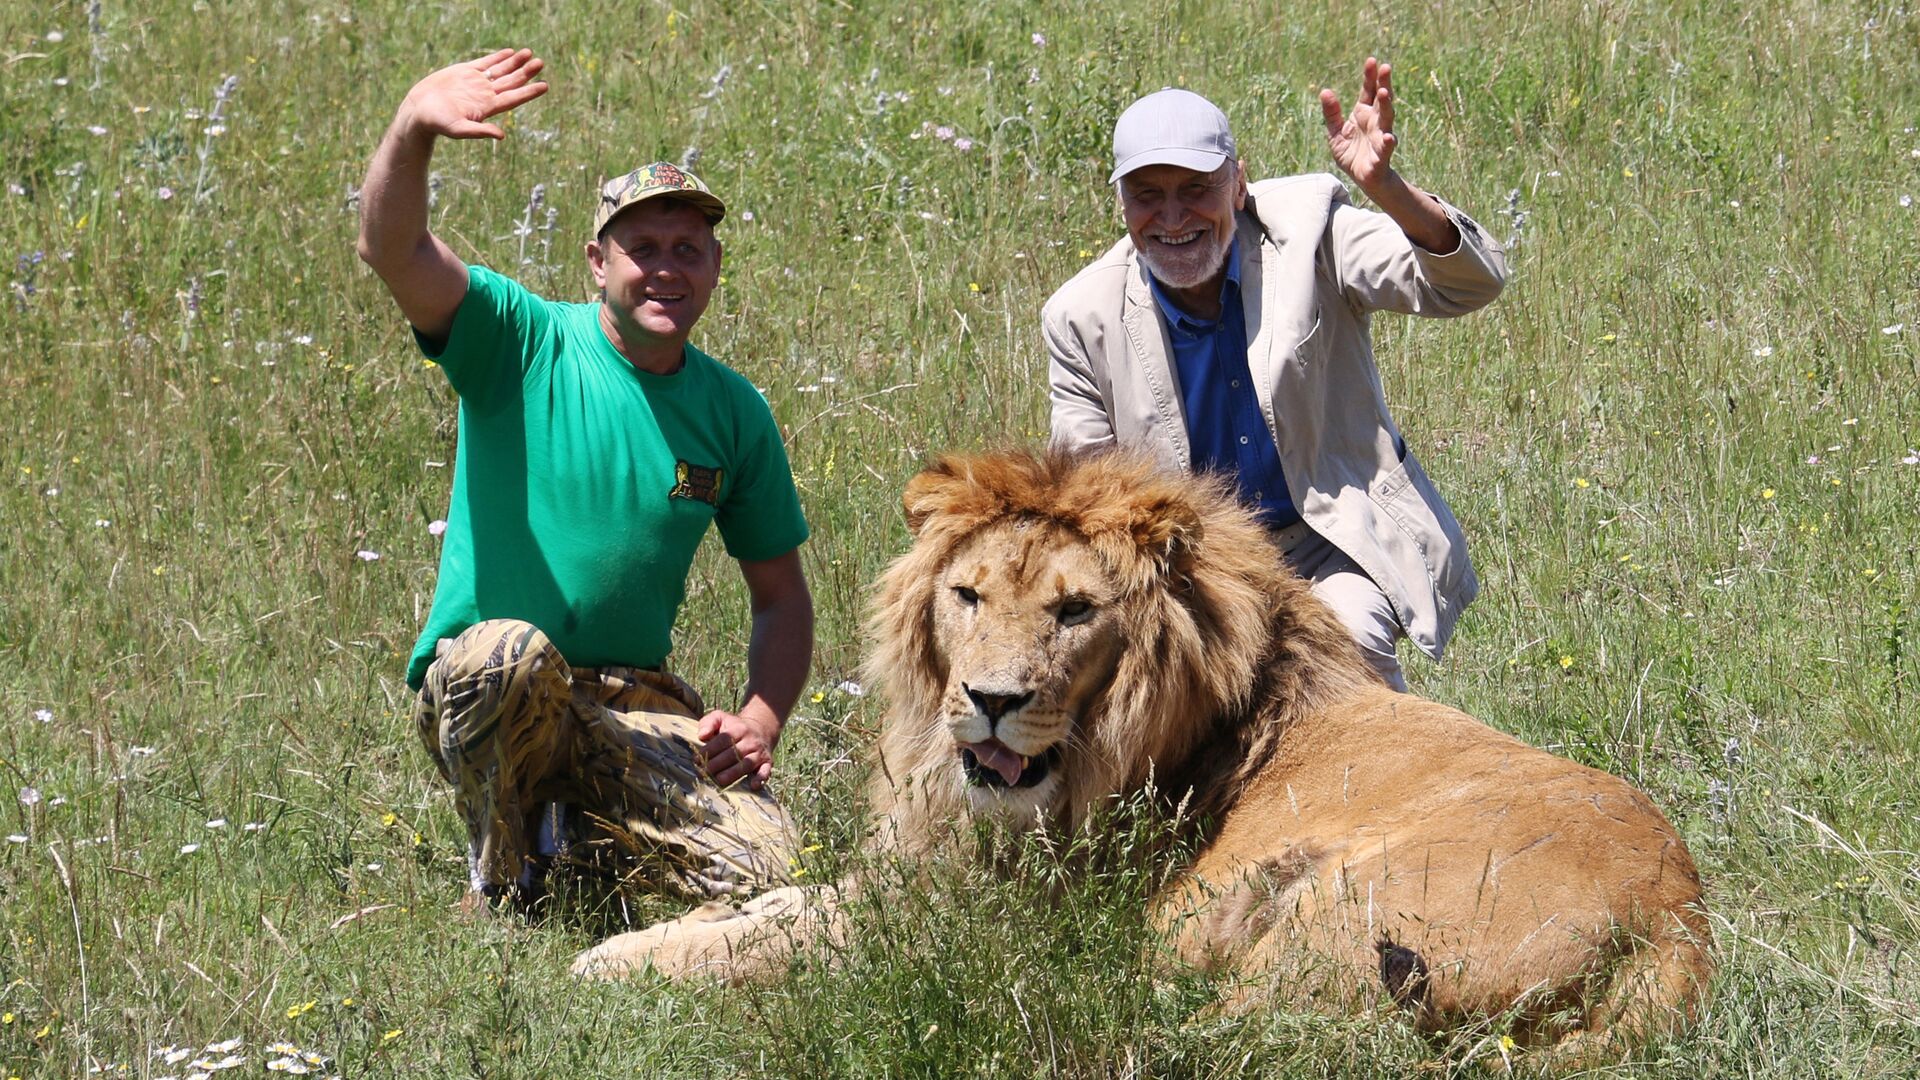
<point>582,485</point>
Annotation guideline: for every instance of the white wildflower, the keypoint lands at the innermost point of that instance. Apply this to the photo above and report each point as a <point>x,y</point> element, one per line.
<point>96,129</point>
<point>55,37</point>
<point>163,193</point>
<point>16,838</point>
<point>436,527</point>
<point>1894,329</point>
<point>188,849</point>
<point>1763,351</point>
<point>217,823</point>
<point>142,751</point>
<point>963,144</point>
<point>254,826</point>
<point>746,215</point>
<point>45,716</point>
<point>852,689</point>
<point>101,523</point>
<point>1039,38</point>
<point>29,796</point>
<point>366,555</point>
<point>216,130</point>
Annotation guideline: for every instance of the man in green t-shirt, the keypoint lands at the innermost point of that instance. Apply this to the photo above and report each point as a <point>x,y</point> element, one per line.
<point>595,447</point>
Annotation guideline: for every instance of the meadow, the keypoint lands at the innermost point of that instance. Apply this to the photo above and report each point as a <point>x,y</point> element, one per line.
<point>1682,445</point>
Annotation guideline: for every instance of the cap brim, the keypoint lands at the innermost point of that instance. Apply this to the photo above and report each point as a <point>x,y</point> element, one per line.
<point>706,203</point>
<point>1185,157</point>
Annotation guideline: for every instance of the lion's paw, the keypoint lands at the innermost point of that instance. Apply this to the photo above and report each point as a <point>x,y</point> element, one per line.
<point>676,948</point>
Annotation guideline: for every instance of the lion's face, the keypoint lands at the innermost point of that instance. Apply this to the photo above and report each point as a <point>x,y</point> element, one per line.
<point>1026,620</point>
<point>1063,629</point>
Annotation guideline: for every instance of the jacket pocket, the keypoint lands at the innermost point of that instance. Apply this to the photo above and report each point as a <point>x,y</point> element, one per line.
<point>1314,341</point>
<point>1408,498</point>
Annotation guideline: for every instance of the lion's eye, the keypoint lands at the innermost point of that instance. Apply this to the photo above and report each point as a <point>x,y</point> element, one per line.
<point>1074,612</point>
<point>967,596</point>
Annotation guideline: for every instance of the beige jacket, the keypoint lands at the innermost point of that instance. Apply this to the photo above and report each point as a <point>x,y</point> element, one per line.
<point>1313,268</point>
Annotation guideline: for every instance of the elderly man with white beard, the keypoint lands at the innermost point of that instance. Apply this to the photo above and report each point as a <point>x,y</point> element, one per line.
<point>1228,332</point>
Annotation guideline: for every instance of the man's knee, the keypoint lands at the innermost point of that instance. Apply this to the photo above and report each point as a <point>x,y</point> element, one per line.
<point>494,649</point>
<point>1369,619</point>
<point>500,679</point>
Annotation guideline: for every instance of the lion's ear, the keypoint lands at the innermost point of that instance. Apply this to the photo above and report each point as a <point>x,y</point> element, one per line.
<point>1165,528</point>
<point>936,489</point>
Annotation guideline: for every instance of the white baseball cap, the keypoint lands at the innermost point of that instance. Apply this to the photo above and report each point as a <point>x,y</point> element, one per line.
<point>1171,127</point>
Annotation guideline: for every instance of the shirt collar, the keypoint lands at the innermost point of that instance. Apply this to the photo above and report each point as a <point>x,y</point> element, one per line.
<point>1229,291</point>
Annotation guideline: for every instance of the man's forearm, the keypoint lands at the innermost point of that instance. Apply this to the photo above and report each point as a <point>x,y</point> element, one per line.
<point>393,200</point>
<point>1418,214</point>
<point>779,658</point>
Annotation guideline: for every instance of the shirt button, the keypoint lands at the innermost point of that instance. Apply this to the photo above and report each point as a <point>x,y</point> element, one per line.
<point>1235,384</point>
<point>1258,495</point>
<point>1243,440</point>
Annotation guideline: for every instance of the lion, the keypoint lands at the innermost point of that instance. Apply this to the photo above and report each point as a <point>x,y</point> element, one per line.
<point>1065,629</point>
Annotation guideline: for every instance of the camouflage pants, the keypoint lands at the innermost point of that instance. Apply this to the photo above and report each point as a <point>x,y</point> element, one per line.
<point>513,728</point>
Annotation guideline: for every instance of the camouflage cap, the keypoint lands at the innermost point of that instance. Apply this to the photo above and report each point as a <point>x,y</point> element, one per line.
<point>658,180</point>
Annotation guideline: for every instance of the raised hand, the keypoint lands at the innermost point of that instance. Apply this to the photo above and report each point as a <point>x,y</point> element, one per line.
<point>1362,142</point>
<point>458,101</point>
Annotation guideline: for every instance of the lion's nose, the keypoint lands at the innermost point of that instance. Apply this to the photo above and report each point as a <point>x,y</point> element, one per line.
<point>994,706</point>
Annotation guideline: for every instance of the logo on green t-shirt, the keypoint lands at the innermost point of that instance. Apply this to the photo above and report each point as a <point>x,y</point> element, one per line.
<point>697,482</point>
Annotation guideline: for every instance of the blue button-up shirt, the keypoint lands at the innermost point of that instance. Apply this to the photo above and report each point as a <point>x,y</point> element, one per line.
<point>1224,423</point>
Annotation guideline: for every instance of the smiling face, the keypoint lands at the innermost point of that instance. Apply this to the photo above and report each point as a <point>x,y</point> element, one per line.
<point>1181,221</point>
<point>1027,620</point>
<point>656,265</point>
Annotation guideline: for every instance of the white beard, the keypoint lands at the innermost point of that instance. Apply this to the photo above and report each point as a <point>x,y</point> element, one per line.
<point>1189,266</point>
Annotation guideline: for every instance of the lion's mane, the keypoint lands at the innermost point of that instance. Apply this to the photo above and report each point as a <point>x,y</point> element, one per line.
<point>1221,649</point>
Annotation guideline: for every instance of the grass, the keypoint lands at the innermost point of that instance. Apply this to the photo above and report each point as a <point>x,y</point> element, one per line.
<point>1681,445</point>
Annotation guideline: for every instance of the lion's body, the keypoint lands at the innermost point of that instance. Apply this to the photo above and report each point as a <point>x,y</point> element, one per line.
<point>1065,630</point>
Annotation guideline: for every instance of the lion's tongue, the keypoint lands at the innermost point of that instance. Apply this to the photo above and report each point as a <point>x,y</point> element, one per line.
<point>997,757</point>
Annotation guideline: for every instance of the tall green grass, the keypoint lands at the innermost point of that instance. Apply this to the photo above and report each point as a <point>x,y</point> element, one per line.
<point>1682,445</point>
